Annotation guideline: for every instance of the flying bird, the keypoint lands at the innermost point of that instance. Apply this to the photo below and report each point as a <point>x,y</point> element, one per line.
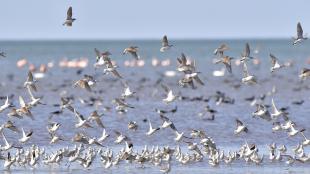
<point>69,19</point>
<point>300,35</point>
<point>165,44</point>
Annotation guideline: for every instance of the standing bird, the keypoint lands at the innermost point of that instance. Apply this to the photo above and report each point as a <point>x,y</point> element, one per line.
<point>300,35</point>
<point>133,50</point>
<point>69,19</point>
<point>165,44</point>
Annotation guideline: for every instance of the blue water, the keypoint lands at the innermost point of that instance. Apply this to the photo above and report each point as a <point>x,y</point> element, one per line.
<point>150,96</point>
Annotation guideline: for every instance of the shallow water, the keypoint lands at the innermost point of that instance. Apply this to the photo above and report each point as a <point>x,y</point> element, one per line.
<point>149,96</point>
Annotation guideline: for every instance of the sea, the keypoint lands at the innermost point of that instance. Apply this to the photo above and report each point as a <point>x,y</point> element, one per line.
<point>145,81</point>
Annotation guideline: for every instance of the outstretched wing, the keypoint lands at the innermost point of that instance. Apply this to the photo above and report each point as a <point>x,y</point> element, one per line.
<point>164,41</point>
<point>69,13</point>
<point>273,59</point>
<point>166,88</point>
<point>299,31</point>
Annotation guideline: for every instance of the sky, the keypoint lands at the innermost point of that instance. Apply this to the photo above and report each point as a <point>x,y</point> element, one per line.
<point>151,19</point>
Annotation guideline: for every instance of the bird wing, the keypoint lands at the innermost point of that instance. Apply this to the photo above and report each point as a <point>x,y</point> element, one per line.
<point>223,47</point>
<point>98,54</point>
<point>299,31</point>
<point>29,134</point>
<point>172,126</point>
<point>99,122</point>
<point>179,60</point>
<point>69,13</point>
<point>239,123</point>
<point>135,55</point>
<point>228,67</point>
<point>117,74</point>
<point>21,101</point>
<point>247,50</point>
<point>166,88</point>
<point>30,77</point>
<point>164,118</point>
<point>183,58</point>
<point>78,116</point>
<point>165,41</point>
<point>273,59</point>
<point>198,80</point>
<point>7,100</point>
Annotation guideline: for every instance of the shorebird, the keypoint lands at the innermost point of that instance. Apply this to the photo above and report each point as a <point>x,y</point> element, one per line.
<point>276,126</point>
<point>111,68</point>
<point>10,125</point>
<point>127,92</point>
<point>53,127</point>
<point>184,65</point>
<point>240,127</point>
<point>165,45</point>
<point>275,63</point>
<point>104,136</point>
<point>300,36</point>
<point>170,97</point>
<point>54,138</point>
<point>120,137</point>
<point>14,113</point>
<point>275,112</point>
<point>292,131</point>
<point>121,104</point>
<point>226,60</point>
<point>102,55</point>
<point>179,135</point>
<point>2,54</point>
<point>246,53</point>
<point>24,109</point>
<point>132,125</point>
<point>304,74</point>
<point>247,78</point>
<point>262,112</point>
<point>193,77</point>
<point>166,121</point>
<point>151,129</point>
<point>94,116</point>
<point>7,145</point>
<point>81,121</point>
<point>65,104</point>
<point>5,105</point>
<point>83,83</point>
<point>25,136</point>
<point>133,50</point>
<point>9,161</point>
<point>30,82</point>
<point>69,19</point>
<point>306,141</point>
<point>220,50</point>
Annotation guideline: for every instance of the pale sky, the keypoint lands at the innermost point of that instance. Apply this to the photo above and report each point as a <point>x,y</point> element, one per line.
<point>151,19</point>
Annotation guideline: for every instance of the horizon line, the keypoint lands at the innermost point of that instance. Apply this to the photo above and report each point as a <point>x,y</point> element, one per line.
<point>142,39</point>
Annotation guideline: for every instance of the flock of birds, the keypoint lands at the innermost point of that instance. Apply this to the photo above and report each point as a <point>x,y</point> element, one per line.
<point>201,147</point>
